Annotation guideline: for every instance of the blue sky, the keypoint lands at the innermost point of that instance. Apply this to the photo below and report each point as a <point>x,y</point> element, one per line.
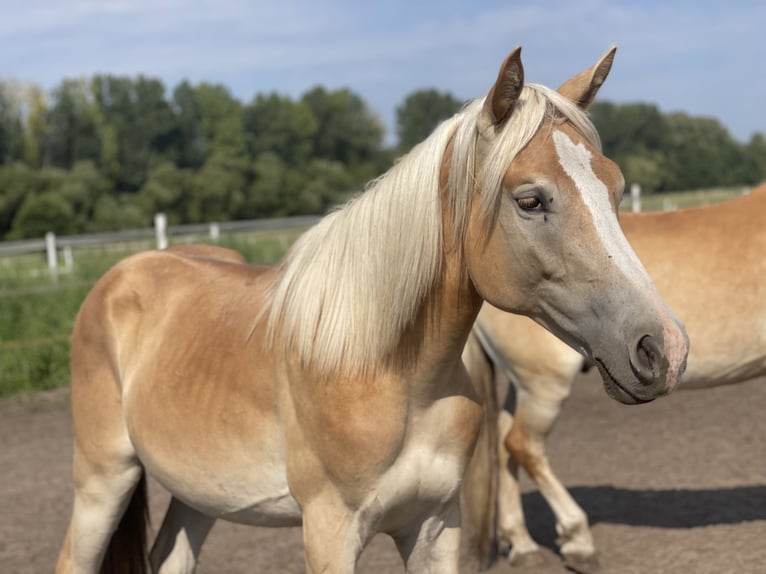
<point>705,58</point>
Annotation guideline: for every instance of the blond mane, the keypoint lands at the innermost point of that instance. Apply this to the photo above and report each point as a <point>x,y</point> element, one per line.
<point>354,282</point>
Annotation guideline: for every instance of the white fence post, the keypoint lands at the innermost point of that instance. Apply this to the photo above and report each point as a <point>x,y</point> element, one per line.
<point>161,230</point>
<point>50,251</point>
<point>68,259</point>
<point>635,196</point>
<point>215,232</point>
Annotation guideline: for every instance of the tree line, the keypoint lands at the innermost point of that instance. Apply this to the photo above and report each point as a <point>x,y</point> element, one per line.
<point>107,152</point>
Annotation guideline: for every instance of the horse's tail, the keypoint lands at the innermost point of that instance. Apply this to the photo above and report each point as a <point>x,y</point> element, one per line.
<point>127,551</point>
<point>479,492</point>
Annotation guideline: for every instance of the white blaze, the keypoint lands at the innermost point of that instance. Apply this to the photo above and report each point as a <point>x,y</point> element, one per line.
<point>575,159</point>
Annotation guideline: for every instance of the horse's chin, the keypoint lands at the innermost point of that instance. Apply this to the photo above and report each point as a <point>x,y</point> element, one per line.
<point>618,392</point>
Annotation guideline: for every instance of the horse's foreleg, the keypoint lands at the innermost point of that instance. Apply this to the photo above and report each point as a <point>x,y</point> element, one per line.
<point>512,529</point>
<point>180,539</point>
<point>536,413</point>
<point>333,536</point>
<point>434,544</point>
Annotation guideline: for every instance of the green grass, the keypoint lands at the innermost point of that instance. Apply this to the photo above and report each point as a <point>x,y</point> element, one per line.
<point>37,311</point>
<point>34,337</point>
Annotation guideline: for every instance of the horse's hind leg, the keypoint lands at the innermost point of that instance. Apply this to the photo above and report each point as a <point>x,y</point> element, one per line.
<point>106,473</point>
<point>511,525</point>
<point>102,494</point>
<point>537,408</point>
<point>180,539</point>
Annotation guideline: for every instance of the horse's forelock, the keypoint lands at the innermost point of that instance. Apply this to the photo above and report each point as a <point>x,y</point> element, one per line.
<point>498,148</point>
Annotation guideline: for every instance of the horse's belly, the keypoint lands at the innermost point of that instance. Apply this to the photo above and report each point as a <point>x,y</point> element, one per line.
<point>224,467</point>
<point>257,495</point>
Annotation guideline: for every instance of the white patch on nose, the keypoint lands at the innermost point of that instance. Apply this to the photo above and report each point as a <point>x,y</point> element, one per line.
<point>575,160</point>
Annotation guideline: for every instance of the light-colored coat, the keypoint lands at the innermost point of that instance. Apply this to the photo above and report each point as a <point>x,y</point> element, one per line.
<point>709,264</point>
<point>328,390</point>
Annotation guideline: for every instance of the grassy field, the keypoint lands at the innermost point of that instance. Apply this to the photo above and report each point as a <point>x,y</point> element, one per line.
<point>37,311</point>
<point>684,199</point>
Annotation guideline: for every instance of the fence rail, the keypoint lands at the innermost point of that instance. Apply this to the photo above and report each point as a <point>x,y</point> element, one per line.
<point>161,233</point>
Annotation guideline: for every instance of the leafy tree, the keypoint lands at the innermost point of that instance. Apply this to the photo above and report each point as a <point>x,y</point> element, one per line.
<point>264,195</point>
<point>329,183</point>
<point>420,113</point>
<point>222,119</point>
<point>347,130</point>
<point>115,212</point>
<point>646,169</point>
<point>701,153</point>
<point>71,125</point>
<point>11,131</point>
<point>276,124</point>
<point>82,189</point>
<point>143,124</point>
<point>755,160</point>
<point>167,190</point>
<point>630,128</point>
<point>37,129</point>
<point>190,141</point>
<point>217,190</point>
<point>209,121</point>
<point>15,182</point>
<point>42,213</point>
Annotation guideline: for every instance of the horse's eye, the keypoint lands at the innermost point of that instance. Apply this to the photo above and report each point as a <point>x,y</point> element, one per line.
<point>530,203</point>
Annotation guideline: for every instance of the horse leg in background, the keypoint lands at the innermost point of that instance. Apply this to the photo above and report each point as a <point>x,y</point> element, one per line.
<point>434,545</point>
<point>539,400</point>
<point>478,492</point>
<point>511,526</point>
<point>180,539</point>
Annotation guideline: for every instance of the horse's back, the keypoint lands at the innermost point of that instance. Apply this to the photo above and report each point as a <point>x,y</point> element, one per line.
<point>147,290</point>
<point>208,251</point>
<point>709,264</point>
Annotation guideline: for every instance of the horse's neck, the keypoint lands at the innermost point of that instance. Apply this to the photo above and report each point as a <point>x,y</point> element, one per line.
<point>436,339</point>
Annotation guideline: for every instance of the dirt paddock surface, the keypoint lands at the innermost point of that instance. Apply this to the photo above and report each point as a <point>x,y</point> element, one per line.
<point>676,486</point>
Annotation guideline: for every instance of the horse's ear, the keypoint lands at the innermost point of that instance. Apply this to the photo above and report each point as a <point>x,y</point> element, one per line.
<point>507,89</point>
<point>583,87</point>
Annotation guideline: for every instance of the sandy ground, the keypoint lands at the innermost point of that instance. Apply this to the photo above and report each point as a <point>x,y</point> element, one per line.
<point>674,487</point>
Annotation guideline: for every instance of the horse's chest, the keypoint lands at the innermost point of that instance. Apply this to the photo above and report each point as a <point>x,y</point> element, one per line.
<point>431,465</point>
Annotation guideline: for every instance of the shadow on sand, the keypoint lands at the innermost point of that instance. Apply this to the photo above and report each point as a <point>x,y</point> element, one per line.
<point>680,508</point>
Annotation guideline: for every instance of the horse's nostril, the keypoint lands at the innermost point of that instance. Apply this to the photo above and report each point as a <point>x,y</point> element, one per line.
<point>649,362</point>
<point>647,355</point>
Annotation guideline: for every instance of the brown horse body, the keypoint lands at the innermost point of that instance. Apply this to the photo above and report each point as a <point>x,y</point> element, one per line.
<point>328,390</point>
<point>709,264</point>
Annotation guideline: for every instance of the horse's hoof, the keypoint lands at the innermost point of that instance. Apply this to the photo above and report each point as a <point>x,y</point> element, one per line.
<point>526,559</point>
<point>503,547</point>
<point>582,564</point>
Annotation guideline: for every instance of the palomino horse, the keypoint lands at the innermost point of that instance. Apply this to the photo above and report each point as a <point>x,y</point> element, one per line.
<point>328,390</point>
<point>709,263</point>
